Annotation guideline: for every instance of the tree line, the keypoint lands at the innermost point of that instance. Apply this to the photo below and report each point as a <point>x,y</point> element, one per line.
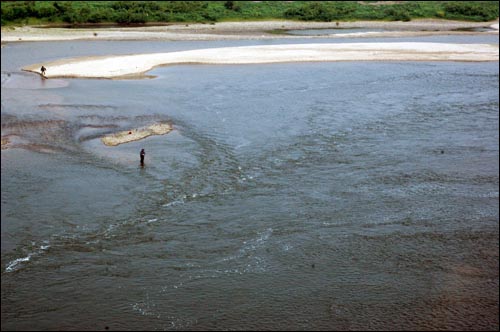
<point>128,12</point>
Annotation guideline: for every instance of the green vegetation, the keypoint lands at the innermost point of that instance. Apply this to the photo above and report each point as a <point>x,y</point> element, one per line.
<point>133,12</point>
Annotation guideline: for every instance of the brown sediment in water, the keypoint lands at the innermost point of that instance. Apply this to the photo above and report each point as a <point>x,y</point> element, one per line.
<point>5,143</point>
<point>127,136</point>
<point>20,143</point>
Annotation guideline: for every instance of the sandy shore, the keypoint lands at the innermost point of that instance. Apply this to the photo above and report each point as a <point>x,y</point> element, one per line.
<point>243,30</point>
<point>128,66</point>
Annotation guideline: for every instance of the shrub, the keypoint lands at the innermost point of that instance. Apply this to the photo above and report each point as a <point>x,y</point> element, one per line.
<point>63,8</point>
<point>480,10</point>
<point>45,11</point>
<point>397,14</point>
<point>232,5</point>
<point>313,11</point>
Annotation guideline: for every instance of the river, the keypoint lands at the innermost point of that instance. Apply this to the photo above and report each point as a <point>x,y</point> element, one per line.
<point>295,196</point>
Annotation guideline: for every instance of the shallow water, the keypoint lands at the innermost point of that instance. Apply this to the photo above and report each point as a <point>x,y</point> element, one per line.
<point>317,196</point>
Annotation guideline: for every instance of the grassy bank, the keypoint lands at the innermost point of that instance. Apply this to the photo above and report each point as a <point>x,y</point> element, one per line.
<point>139,12</point>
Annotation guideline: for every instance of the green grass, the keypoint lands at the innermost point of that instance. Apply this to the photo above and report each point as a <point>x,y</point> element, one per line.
<point>126,12</point>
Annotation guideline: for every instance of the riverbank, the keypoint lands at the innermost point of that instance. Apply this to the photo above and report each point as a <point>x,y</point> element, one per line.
<point>245,30</point>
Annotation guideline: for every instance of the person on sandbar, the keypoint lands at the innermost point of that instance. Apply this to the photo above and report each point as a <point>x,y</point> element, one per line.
<point>43,69</point>
<point>143,153</point>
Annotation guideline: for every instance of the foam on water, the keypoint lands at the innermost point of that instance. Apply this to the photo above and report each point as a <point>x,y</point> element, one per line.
<point>17,264</point>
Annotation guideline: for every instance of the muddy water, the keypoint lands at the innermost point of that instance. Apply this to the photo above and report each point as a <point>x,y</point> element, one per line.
<point>317,196</point>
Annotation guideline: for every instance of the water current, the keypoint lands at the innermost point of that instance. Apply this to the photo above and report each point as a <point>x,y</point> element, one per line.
<point>296,196</point>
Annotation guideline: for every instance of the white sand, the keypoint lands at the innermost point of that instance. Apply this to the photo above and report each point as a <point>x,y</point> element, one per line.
<point>133,65</point>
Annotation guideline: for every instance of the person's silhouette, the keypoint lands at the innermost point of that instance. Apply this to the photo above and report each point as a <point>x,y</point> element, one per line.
<point>143,153</point>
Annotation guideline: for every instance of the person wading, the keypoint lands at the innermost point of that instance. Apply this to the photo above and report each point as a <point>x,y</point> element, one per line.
<point>143,153</point>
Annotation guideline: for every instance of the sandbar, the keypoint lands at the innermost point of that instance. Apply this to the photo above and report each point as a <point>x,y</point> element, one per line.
<point>132,66</point>
<point>136,134</point>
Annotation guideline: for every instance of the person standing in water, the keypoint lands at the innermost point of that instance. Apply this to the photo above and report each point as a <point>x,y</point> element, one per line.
<point>43,69</point>
<point>143,153</point>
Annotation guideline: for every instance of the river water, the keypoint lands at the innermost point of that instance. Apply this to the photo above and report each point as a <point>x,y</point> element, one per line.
<point>297,196</point>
